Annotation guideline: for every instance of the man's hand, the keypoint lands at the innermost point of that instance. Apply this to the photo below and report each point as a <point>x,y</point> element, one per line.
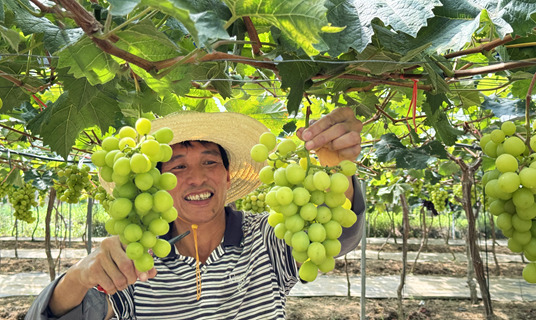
<point>108,266</point>
<point>334,137</point>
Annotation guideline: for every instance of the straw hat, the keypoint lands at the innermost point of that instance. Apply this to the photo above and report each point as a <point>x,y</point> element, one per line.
<point>235,132</point>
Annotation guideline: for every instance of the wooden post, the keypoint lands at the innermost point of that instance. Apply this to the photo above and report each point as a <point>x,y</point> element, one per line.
<point>48,218</point>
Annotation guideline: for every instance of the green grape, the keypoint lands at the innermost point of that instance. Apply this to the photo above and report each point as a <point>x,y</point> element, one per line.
<point>333,229</point>
<point>300,256</point>
<point>308,271</point>
<point>295,173</point>
<point>144,263</point>
<point>170,215</point>
<point>506,163</point>
<point>514,146</point>
<point>98,158</point>
<point>134,250</point>
<point>143,181</point>
<point>120,208</point>
<point>164,135</point>
<point>294,223</point>
<point>316,252</point>
<point>523,198</point>
<point>132,232</point>
<point>509,182</point>
<point>309,212</point>
<point>529,272</point>
<point>143,126</point>
<point>300,196</point>
<point>332,246</point>
<point>321,180</point>
<point>323,215</point>
<point>266,175</point>
<point>339,183</point>
<point>140,163</point>
<point>286,146</point>
<point>110,143</point>
<point>259,153</point>
<point>162,248</point>
<point>280,229</point>
<point>162,201</point>
<point>497,136</point>
<point>159,227</point>
<point>508,127</point>
<point>527,177</point>
<point>504,221</point>
<point>268,139</point>
<point>348,168</point>
<point>275,218</point>
<point>126,143</point>
<point>317,232</point>
<point>168,181</point>
<point>300,241</point>
<point>284,195</point>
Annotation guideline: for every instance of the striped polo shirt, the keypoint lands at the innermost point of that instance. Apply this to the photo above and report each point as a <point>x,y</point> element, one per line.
<point>248,276</point>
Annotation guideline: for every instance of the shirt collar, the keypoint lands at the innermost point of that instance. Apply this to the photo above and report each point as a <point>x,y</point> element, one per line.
<point>233,228</point>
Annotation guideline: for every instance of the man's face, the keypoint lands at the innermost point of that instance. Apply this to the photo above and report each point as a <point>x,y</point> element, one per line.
<point>202,181</point>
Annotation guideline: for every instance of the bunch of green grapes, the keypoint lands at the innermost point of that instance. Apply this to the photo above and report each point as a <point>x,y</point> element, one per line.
<point>438,196</point>
<point>308,202</point>
<point>4,190</point>
<point>142,207</point>
<point>254,201</point>
<point>103,197</point>
<point>22,199</point>
<point>73,183</point>
<point>417,185</point>
<point>510,189</point>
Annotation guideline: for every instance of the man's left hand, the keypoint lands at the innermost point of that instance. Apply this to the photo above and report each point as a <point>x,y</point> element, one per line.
<point>334,137</point>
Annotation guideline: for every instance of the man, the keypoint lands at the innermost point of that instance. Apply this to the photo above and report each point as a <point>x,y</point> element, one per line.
<point>232,266</point>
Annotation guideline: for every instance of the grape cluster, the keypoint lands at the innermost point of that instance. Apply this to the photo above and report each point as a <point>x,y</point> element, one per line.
<point>510,189</point>
<point>103,197</point>
<point>254,201</point>
<point>73,183</point>
<point>142,207</point>
<point>308,202</point>
<point>417,185</point>
<point>4,190</point>
<point>22,199</point>
<point>438,196</point>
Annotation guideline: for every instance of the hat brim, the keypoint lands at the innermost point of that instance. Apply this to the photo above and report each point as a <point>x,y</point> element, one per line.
<point>234,132</point>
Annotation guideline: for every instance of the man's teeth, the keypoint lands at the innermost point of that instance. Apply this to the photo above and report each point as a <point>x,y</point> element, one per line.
<point>200,196</point>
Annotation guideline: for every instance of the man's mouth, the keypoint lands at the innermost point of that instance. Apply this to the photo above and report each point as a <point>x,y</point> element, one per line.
<point>198,196</point>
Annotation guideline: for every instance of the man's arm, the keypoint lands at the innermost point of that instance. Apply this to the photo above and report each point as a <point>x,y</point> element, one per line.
<point>108,266</point>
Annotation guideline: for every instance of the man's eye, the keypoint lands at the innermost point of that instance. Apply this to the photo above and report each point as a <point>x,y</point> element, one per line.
<point>180,166</point>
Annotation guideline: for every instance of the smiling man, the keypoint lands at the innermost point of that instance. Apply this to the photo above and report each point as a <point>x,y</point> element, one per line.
<point>231,266</point>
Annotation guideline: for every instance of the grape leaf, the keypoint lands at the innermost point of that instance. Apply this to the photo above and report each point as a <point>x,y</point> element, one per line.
<point>437,119</point>
<point>144,41</point>
<point>79,107</point>
<point>299,20</point>
<point>12,37</point>
<point>85,59</point>
<point>296,75</point>
<point>509,107</point>
<point>11,94</point>
<point>344,14</point>
<point>388,147</point>
<point>268,110</point>
<point>122,7</point>
<point>54,36</point>
<point>204,26</point>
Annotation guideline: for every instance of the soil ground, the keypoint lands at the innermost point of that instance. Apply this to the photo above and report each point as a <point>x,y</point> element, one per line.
<point>332,308</point>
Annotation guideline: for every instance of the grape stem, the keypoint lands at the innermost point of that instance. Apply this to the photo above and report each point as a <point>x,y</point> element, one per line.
<point>307,113</point>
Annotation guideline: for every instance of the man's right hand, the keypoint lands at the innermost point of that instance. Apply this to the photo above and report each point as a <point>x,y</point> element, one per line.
<point>108,266</point>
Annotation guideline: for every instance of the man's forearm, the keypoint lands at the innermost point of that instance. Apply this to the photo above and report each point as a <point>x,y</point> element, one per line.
<point>68,294</point>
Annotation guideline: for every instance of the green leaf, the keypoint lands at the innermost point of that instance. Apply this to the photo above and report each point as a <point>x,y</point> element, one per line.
<point>79,107</point>
<point>299,20</point>
<point>85,59</point>
<point>268,110</point>
<point>214,73</point>
<point>54,36</point>
<point>509,107</point>
<point>407,16</point>
<point>10,36</point>
<point>204,26</point>
<point>122,7</point>
<point>388,147</point>
<point>448,168</point>
<point>14,178</point>
<point>144,41</point>
<point>343,13</point>
<point>11,94</point>
<point>437,119</point>
<point>297,77</point>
